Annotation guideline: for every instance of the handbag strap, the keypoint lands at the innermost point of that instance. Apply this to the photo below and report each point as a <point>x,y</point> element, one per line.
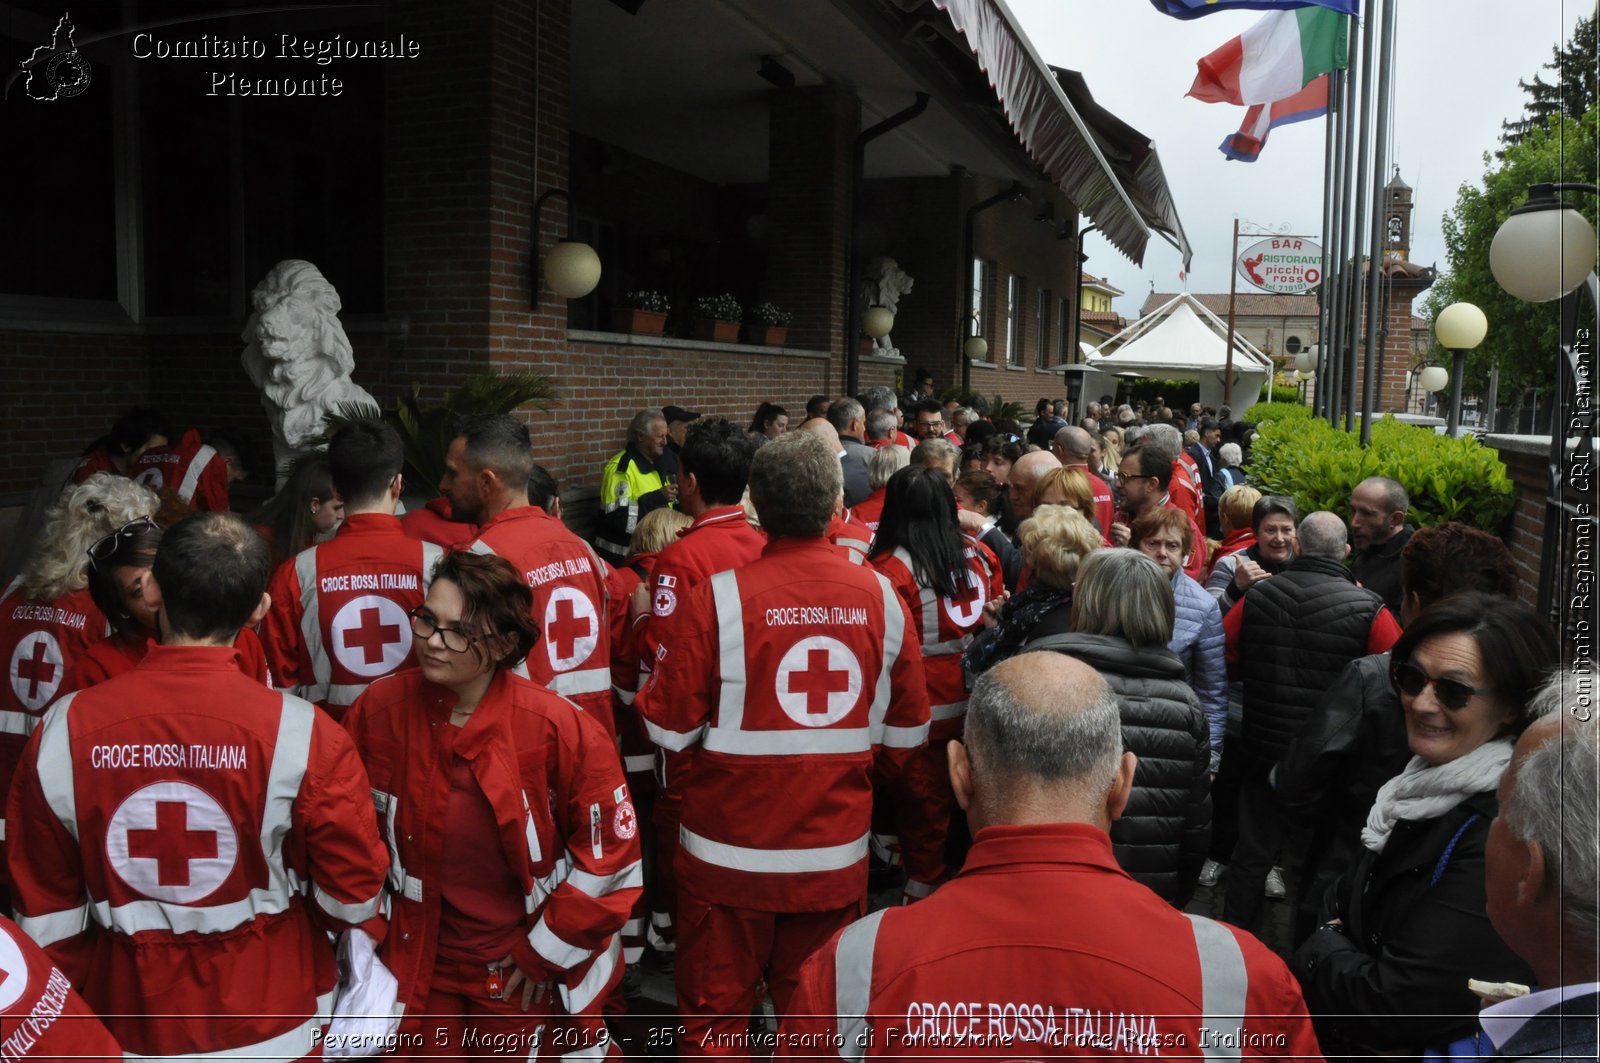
<point>1444,857</point>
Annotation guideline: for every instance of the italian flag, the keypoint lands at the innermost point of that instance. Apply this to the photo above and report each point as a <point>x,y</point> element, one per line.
<point>1275,58</point>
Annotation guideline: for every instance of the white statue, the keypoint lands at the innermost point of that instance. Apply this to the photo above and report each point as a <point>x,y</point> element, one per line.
<point>883,284</point>
<point>299,357</point>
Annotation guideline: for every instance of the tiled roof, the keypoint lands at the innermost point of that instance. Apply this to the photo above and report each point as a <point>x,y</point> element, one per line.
<point>1254,304</point>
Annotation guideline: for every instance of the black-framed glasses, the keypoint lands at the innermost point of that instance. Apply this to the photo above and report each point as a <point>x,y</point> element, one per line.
<point>1411,680</point>
<point>106,545</point>
<point>424,626</point>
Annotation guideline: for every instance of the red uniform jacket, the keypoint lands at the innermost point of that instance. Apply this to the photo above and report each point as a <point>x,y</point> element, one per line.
<point>573,654</point>
<point>338,618</point>
<point>41,1015</point>
<point>434,523</point>
<point>851,536</point>
<point>1105,507</point>
<point>192,471</point>
<point>567,826</point>
<point>1070,958</point>
<point>719,539</point>
<point>184,822</point>
<point>1183,489</point>
<point>121,653</point>
<point>625,675</point>
<point>869,510</point>
<point>40,643</point>
<point>790,677</point>
<point>97,460</point>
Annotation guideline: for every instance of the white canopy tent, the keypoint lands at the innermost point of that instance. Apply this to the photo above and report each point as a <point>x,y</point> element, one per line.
<point>1182,340</point>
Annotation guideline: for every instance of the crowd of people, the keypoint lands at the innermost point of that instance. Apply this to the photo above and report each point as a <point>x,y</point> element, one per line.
<point>921,727</point>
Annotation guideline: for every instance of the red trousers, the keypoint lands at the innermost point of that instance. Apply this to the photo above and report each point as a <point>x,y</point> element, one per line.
<point>724,956</point>
<point>462,1021</point>
<point>922,801</point>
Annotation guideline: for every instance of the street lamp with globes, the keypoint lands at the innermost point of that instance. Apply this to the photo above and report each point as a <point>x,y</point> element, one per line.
<point>1460,328</point>
<point>1545,251</point>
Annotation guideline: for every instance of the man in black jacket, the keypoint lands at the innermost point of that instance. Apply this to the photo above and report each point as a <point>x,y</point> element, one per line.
<point>1542,881</point>
<point>1288,640</point>
<point>1379,530</point>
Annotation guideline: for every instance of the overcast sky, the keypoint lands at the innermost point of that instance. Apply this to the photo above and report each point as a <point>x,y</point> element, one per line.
<point>1457,63</point>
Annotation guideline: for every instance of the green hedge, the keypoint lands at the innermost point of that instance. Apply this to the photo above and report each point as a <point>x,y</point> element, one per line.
<point>1263,412</point>
<point>1317,465</point>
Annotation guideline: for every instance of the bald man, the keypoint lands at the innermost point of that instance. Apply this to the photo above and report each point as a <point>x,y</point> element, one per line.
<point>855,470</point>
<point>1074,447</point>
<point>1067,939</point>
<point>1024,476</point>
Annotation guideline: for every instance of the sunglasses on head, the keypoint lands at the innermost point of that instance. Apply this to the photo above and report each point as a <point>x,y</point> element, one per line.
<point>1411,680</point>
<point>107,545</point>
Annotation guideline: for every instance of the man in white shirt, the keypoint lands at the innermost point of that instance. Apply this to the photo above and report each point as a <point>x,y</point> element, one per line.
<point>1544,878</point>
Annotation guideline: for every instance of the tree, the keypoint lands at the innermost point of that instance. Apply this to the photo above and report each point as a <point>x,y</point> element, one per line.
<point>1524,338</point>
<point>1573,93</point>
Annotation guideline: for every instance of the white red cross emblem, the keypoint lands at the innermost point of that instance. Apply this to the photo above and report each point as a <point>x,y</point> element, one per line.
<point>13,971</point>
<point>172,841</point>
<point>37,669</point>
<point>967,606</point>
<point>819,681</point>
<point>371,636</point>
<point>571,628</point>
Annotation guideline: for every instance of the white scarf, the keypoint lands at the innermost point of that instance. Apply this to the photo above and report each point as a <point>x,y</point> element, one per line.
<point>1425,791</point>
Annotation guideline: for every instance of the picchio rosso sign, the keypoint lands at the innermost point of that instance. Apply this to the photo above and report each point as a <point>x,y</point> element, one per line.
<point>1285,265</point>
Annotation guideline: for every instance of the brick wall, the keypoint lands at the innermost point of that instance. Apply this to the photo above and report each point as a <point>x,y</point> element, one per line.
<point>1526,459</point>
<point>61,391</point>
<point>619,378</point>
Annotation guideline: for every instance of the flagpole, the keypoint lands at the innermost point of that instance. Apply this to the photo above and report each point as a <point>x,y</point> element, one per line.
<point>1233,292</point>
<point>1363,132</point>
<point>1380,163</point>
<point>1347,134</point>
<point>1330,193</point>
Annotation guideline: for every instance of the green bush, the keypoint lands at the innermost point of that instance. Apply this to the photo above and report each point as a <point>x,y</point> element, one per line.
<point>1318,465</point>
<point>1263,412</point>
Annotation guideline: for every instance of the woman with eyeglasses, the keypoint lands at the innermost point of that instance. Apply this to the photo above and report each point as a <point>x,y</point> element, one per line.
<point>120,584</point>
<point>514,856</point>
<point>1405,927</point>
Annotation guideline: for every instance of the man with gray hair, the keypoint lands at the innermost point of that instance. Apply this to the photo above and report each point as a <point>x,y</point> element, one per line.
<point>1543,878</point>
<point>936,453</point>
<point>797,680</point>
<point>631,485</point>
<point>849,419</point>
<point>1185,490</point>
<point>1042,774</point>
<point>1378,508</point>
<point>1288,639</point>
<point>884,399</point>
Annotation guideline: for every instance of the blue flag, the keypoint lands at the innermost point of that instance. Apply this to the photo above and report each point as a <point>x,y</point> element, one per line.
<point>1196,8</point>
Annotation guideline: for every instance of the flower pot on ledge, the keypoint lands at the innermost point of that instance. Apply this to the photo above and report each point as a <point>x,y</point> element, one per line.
<point>638,322</point>
<point>766,335</point>
<point>716,331</point>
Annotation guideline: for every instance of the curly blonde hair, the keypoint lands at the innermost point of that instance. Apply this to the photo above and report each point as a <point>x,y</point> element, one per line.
<point>83,515</point>
<point>1054,540</point>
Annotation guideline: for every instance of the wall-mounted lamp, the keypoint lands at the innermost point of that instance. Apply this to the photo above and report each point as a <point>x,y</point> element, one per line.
<point>975,346</point>
<point>877,321</point>
<point>571,268</point>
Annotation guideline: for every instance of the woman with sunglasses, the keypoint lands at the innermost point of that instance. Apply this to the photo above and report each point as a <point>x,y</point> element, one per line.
<point>48,619</point>
<point>1405,927</point>
<point>514,857</point>
<point>120,584</point>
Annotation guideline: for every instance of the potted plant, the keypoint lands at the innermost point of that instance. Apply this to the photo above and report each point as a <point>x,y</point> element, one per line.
<point>768,325</point>
<point>643,313</point>
<point>717,318</point>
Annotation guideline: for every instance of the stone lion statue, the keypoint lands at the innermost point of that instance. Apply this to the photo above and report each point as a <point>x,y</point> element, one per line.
<point>298,356</point>
<point>883,283</point>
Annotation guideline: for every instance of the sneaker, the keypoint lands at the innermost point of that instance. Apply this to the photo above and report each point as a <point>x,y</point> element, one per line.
<point>1210,872</point>
<point>1276,890</point>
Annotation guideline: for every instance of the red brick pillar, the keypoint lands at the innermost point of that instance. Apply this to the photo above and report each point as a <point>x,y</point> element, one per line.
<point>462,123</point>
<point>808,214</point>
